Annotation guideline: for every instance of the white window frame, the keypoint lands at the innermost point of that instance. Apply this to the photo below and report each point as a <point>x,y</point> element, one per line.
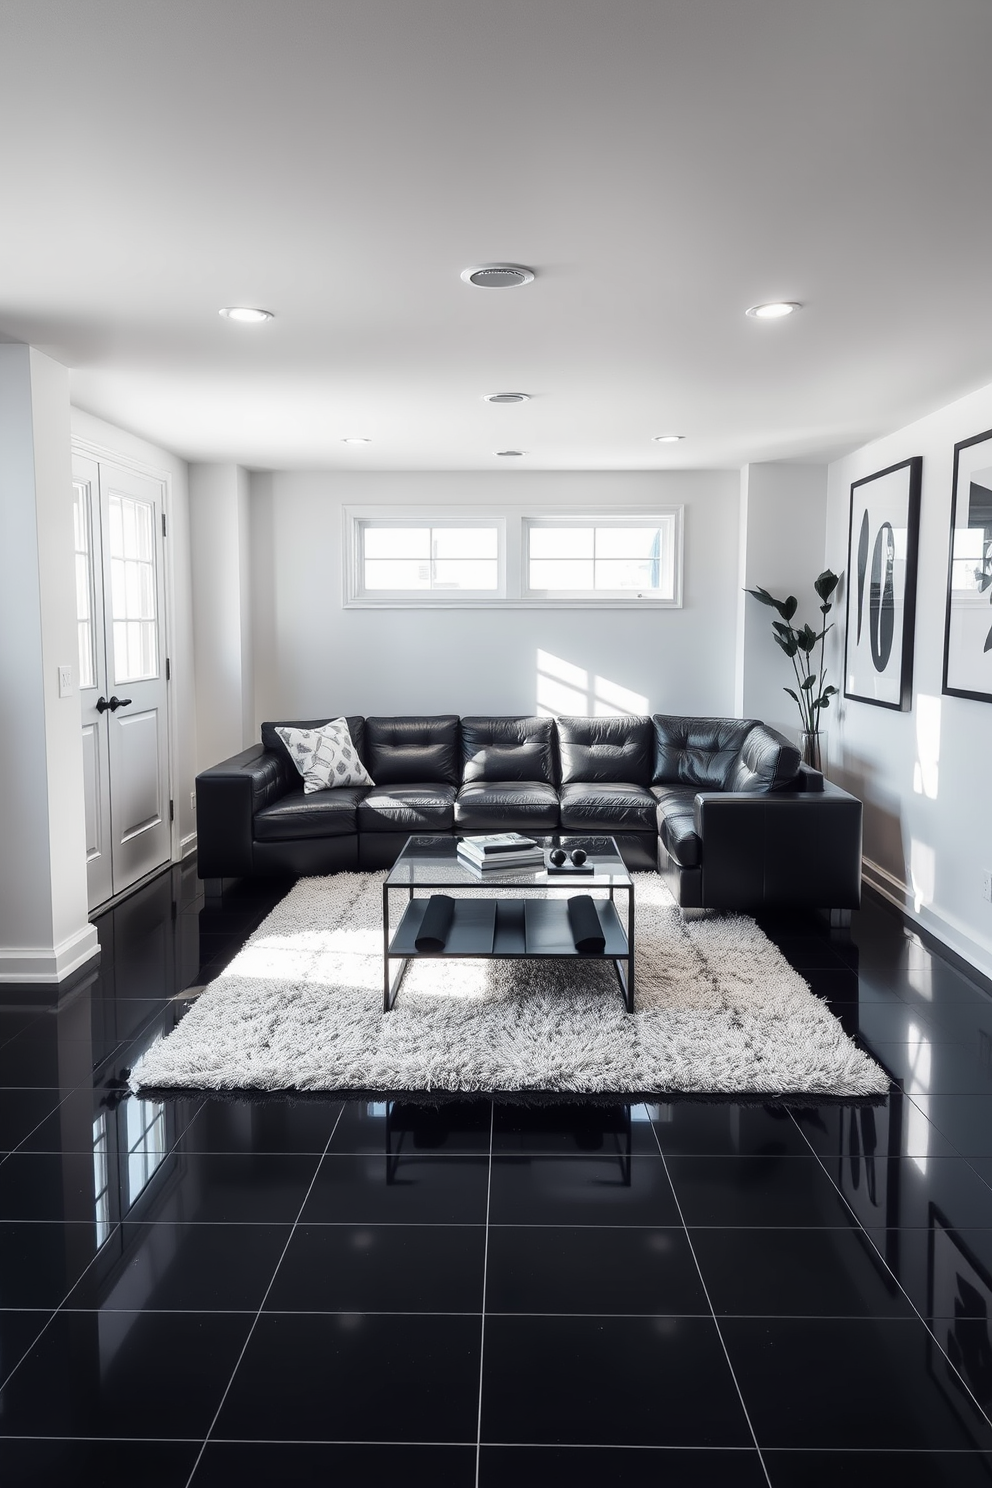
<point>513,527</point>
<point>359,519</point>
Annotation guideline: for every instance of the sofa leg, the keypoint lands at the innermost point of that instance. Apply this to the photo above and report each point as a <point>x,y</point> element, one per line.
<point>213,889</point>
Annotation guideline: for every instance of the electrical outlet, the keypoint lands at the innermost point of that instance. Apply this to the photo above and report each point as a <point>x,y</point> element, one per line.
<point>65,681</point>
<point>192,801</point>
<point>987,885</point>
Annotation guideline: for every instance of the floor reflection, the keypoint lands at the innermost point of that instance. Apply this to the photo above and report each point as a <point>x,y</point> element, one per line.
<point>203,1271</point>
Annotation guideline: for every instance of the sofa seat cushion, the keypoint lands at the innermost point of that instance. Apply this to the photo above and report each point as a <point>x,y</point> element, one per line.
<point>698,751</point>
<point>615,806</point>
<point>327,813</point>
<point>507,805</point>
<point>423,806</point>
<point>677,824</point>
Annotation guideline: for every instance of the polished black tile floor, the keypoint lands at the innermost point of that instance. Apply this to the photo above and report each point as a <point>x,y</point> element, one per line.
<point>218,1291</point>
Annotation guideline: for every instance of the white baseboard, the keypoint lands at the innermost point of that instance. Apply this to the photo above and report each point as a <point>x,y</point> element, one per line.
<point>30,964</point>
<point>187,845</point>
<point>942,927</point>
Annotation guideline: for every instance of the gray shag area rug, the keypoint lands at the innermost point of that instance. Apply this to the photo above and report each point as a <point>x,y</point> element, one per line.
<point>718,1011</point>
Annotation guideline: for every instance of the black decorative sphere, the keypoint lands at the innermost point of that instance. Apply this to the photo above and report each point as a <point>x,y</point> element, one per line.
<point>578,856</point>
<point>557,856</point>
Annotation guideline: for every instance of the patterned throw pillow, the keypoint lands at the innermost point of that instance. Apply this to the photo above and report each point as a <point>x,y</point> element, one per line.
<point>325,757</point>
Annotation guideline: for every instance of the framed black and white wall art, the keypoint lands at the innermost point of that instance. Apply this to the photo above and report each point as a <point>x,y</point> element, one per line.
<point>968,624</point>
<point>881,586</point>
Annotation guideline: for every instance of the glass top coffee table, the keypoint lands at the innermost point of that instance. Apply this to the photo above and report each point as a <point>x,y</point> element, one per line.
<point>513,918</point>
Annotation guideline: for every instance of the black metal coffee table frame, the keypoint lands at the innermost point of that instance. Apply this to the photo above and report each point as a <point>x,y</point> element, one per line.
<point>510,921</point>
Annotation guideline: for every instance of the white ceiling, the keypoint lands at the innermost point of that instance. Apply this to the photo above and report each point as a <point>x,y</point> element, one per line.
<point>660,164</point>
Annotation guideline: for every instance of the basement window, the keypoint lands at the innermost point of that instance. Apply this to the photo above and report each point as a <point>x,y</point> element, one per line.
<point>464,558</point>
<point>597,559</point>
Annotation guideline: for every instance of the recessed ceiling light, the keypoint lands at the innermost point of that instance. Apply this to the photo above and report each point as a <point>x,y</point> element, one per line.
<point>356,440</point>
<point>245,313</point>
<point>774,310</point>
<point>507,397</point>
<point>667,438</point>
<point>497,275</point>
<point>509,452</point>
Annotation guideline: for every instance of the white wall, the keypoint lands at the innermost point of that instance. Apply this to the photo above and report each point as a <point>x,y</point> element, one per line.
<point>313,657</point>
<point>922,774</point>
<point>44,934</point>
<point>783,517</point>
<point>107,440</point>
<point>222,610</point>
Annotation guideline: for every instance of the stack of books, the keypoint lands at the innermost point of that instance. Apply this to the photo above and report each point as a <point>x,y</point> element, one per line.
<point>500,850</point>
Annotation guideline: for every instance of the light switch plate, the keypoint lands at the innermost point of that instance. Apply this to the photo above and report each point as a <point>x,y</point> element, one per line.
<point>65,681</point>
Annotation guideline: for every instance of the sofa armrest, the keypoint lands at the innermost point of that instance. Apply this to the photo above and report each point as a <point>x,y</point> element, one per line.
<point>787,848</point>
<point>227,797</point>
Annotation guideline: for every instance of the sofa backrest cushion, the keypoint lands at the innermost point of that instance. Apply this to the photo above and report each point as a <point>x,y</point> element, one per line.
<point>413,750</point>
<point>605,750</point>
<point>698,751</point>
<point>767,762</point>
<point>272,742</point>
<point>517,748</point>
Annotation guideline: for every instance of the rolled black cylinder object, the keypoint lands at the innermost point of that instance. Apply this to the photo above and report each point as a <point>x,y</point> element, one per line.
<point>434,927</point>
<point>587,932</point>
<point>578,856</point>
<point>557,856</point>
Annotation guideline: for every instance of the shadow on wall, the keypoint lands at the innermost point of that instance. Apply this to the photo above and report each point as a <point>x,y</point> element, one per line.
<point>884,839</point>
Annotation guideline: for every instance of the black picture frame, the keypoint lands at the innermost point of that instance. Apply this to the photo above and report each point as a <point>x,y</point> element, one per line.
<point>882,545</point>
<point>968,614</point>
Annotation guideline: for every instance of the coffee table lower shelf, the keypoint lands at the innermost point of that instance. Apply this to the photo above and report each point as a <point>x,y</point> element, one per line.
<point>511,929</point>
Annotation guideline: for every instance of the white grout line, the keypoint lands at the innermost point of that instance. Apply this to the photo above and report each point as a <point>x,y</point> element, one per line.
<point>709,1303</point>
<point>482,1327</point>
<point>261,1305</point>
<point>862,1229</point>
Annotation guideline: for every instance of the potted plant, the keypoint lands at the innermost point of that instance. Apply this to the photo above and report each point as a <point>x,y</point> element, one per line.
<point>811,694</point>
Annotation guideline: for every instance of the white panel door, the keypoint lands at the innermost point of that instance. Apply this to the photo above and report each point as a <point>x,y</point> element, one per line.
<point>92,675</point>
<point>122,670</point>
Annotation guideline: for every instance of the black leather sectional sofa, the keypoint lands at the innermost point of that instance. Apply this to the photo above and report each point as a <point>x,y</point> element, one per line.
<point>721,806</point>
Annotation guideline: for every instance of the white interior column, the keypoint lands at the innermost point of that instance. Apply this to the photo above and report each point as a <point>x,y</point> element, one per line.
<point>782,546</point>
<point>219,515</point>
<point>44,931</point>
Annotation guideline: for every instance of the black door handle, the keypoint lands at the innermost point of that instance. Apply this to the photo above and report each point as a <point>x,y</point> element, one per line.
<point>103,706</point>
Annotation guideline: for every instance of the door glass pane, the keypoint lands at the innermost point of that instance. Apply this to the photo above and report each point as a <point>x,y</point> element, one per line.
<point>84,582</point>
<point>132,588</point>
